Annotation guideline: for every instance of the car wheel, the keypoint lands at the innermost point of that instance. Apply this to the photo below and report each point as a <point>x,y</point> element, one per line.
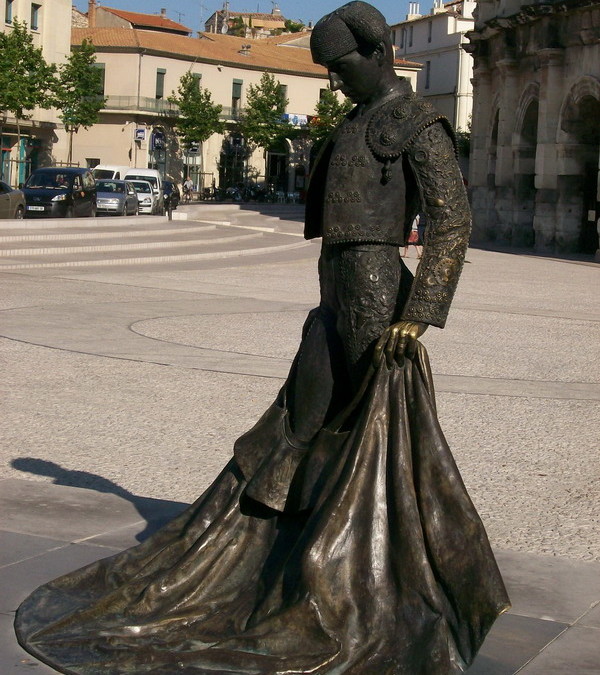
<point>20,213</point>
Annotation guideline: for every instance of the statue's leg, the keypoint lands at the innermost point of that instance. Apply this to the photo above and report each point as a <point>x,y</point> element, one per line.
<point>319,386</point>
<point>367,285</point>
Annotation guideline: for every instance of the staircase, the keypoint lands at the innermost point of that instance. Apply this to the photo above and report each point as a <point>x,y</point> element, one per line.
<point>139,240</point>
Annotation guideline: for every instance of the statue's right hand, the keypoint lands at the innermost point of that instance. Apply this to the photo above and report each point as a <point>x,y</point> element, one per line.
<point>397,341</point>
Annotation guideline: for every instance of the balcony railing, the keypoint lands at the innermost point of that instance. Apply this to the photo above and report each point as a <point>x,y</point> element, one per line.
<point>160,106</point>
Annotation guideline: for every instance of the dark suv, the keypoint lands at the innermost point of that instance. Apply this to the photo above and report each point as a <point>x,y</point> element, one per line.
<point>57,192</point>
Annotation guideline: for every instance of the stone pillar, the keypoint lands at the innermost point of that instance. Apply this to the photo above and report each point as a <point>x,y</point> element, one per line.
<point>505,196</point>
<point>547,165</point>
<point>481,194</point>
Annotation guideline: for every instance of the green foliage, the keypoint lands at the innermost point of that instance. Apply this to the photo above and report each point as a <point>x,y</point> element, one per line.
<point>329,112</point>
<point>237,27</point>
<point>463,140</point>
<point>261,122</point>
<point>26,80</point>
<point>293,26</point>
<point>198,116</point>
<point>79,82</point>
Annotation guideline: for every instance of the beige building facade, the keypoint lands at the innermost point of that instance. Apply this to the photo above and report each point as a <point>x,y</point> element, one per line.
<point>536,133</point>
<point>435,40</point>
<point>50,24</point>
<point>143,68</point>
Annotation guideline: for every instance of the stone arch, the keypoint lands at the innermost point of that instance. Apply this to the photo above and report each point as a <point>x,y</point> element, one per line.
<point>578,143</point>
<point>585,88</point>
<point>530,95</point>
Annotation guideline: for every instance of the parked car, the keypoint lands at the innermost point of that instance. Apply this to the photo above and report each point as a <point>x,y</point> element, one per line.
<point>12,202</point>
<point>171,194</point>
<point>117,197</point>
<point>60,192</point>
<point>147,199</point>
<point>110,171</point>
<point>154,178</point>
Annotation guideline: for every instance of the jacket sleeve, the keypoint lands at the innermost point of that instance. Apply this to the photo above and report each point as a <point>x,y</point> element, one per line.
<point>444,201</point>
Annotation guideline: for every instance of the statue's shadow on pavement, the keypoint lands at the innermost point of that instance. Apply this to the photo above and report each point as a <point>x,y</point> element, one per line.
<point>156,512</point>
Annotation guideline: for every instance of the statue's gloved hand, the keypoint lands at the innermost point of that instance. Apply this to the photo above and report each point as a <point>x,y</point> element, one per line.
<point>397,341</point>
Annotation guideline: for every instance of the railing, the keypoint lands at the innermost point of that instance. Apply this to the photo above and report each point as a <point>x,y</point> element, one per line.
<point>161,106</point>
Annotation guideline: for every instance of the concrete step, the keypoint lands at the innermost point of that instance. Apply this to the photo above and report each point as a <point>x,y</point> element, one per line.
<point>75,223</point>
<point>149,241</point>
<point>99,233</point>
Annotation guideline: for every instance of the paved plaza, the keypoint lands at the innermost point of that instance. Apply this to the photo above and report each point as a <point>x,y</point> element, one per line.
<point>134,354</point>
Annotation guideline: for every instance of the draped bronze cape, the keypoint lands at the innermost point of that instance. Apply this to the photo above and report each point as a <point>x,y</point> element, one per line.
<point>384,568</point>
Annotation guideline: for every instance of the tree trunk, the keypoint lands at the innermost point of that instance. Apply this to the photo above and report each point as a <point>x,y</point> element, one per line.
<point>18,151</point>
<point>70,155</point>
<point>1,162</point>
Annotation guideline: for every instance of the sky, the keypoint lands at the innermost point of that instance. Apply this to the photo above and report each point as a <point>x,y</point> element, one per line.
<point>193,13</point>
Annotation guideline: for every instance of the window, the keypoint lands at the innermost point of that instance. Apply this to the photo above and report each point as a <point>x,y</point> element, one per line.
<point>402,38</point>
<point>427,74</point>
<point>410,36</point>
<point>236,96</point>
<point>35,16</point>
<point>429,30</point>
<point>393,37</point>
<point>91,162</point>
<point>160,82</point>
<point>8,11</point>
<point>100,90</point>
<point>322,93</point>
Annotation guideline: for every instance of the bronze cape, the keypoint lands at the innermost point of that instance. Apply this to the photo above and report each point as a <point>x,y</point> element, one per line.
<point>388,571</point>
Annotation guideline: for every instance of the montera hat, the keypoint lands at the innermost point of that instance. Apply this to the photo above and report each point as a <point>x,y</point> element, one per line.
<point>353,26</point>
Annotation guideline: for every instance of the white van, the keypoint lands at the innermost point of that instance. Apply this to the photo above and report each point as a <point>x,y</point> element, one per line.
<point>153,177</point>
<point>110,172</point>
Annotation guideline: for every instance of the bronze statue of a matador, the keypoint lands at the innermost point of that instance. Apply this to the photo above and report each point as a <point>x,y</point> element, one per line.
<point>340,539</point>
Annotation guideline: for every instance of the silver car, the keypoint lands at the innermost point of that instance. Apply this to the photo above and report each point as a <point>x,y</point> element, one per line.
<point>12,202</point>
<point>147,198</point>
<point>117,197</point>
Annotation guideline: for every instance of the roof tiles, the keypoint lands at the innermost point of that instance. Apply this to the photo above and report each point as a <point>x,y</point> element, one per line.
<point>150,20</point>
<point>210,48</point>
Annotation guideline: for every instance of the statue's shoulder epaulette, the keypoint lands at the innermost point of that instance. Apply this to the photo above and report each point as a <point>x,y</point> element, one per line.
<point>398,122</point>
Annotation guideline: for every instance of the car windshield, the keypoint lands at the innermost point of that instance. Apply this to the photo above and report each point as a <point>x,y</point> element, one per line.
<point>110,186</point>
<point>48,179</point>
<point>103,173</point>
<point>150,179</point>
<point>141,187</point>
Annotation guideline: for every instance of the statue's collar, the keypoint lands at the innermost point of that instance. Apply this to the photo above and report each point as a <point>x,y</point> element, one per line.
<point>399,88</point>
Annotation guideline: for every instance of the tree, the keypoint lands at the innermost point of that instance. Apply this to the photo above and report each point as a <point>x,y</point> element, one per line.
<point>79,94</point>
<point>293,26</point>
<point>329,113</point>
<point>237,27</point>
<point>199,117</point>
<point>463,140</point>
<point>261,122</point>
<point>26,80</point>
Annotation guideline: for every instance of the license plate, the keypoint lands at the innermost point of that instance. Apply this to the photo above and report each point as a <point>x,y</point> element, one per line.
<point>35,208</point>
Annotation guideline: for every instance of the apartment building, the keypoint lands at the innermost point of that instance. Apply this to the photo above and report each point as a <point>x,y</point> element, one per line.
<point>435,41</point>
<point>50,24</point>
